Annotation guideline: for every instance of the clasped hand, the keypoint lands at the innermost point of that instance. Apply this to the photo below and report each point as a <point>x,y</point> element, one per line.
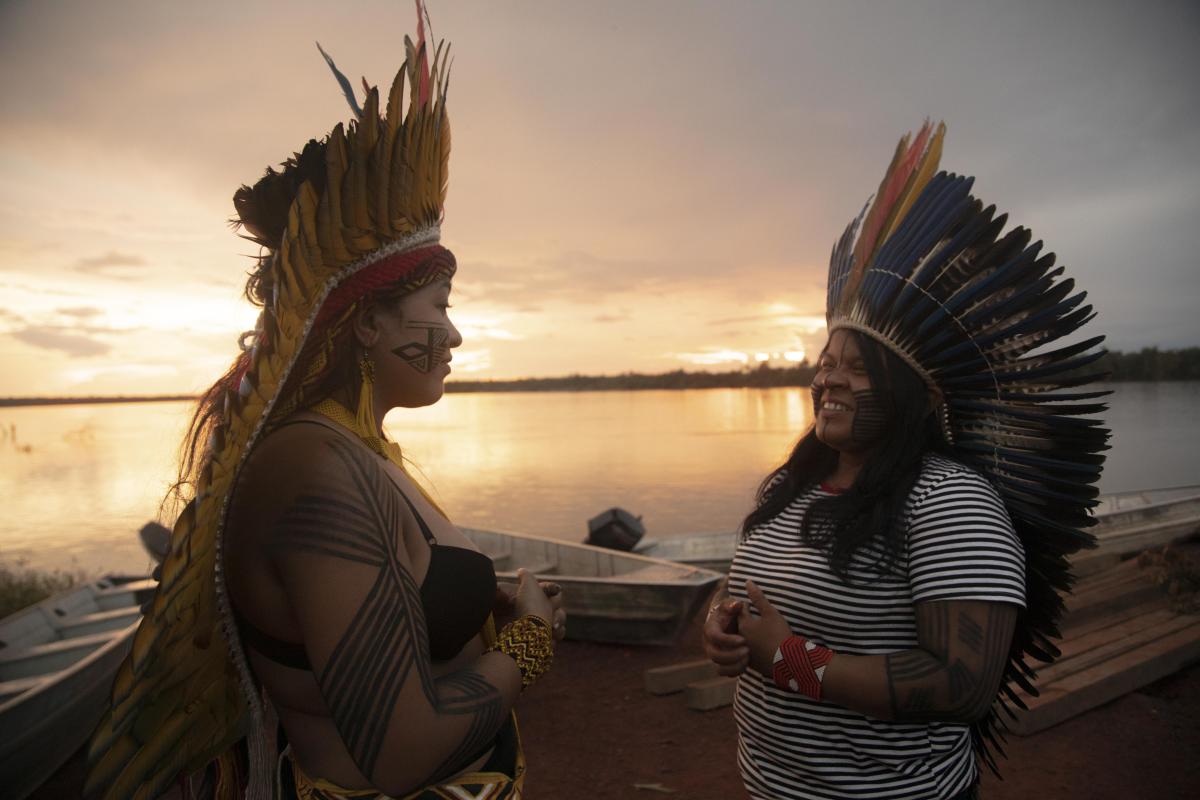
<point>734,638</point>
<point>530,596</point>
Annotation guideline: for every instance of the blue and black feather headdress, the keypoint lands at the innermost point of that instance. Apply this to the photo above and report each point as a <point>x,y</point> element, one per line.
<point>928,273</point>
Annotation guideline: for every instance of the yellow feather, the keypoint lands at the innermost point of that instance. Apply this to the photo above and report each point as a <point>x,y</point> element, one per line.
<point>306,206</point>
<point>395,103</point>
<point>116,756</point>
<point>368,127</point>
<point>356,221</point>
<point>159,758</point>
<point>377,184</point>
<point>292,267</point>
<point>335,249</point>
<point>400,184</point>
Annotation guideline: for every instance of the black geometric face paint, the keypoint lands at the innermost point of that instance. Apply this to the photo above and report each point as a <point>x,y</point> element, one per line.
<point>870,418</point>
<point>424,356</point>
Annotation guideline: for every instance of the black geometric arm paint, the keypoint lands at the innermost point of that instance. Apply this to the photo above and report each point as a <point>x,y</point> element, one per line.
<point>955,673</point>
<point>467,692</point>
<point>385,642</point>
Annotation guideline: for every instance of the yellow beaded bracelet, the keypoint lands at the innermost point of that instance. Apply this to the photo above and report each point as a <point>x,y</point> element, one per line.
<point>527,640</point>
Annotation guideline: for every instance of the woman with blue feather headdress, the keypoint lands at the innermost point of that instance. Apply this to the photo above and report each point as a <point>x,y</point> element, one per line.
<point>905,564</point>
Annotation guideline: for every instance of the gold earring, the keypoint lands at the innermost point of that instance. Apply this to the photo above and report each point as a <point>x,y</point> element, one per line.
<point>365,418</point>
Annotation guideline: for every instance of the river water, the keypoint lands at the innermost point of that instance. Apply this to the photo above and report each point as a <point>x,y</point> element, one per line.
<point>76,482</point>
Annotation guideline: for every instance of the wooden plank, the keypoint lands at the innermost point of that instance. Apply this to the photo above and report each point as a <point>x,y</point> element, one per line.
<point>1089,563</point>
<point>1119,572</point>
<point>709,694</point>
<point>1111,679</point>
<point>1083,628</point>
<point>674,677</point>
<point>1121,591</point>
<point>1106,643</point>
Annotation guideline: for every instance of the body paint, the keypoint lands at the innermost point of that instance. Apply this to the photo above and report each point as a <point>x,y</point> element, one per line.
<point>870,418</point>
<point>424,355</point>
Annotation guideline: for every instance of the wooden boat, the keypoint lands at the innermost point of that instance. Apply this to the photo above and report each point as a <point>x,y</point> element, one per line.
<point>57,662</point>
<point>611,596</point>
<point>1126,522</point>
<point>707,550</point>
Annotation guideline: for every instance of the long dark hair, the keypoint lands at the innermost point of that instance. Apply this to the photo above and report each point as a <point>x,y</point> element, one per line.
<point>868,516</point>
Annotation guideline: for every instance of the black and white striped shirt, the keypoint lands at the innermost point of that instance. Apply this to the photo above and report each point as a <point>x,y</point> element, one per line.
<point>960,545</point>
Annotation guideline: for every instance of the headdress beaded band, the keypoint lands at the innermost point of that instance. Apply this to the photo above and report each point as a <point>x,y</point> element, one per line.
<point>925,271</point>
<point>369,218</point>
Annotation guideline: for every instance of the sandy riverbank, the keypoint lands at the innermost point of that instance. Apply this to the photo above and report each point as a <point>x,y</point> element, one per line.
<point>591,732</point>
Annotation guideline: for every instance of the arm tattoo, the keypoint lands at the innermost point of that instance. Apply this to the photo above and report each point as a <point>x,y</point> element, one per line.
<point>386,639</point>
<point>467,692</point>
<point>926,684</point>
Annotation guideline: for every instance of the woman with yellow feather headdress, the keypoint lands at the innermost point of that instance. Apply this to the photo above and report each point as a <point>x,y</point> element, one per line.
<point>316,604</point>
<point>908,558</point>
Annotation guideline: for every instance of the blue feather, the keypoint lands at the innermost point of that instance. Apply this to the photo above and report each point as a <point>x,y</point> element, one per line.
<point>347,89</point>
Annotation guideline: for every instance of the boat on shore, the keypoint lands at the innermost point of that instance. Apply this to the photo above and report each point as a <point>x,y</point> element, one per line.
<point>57,662</point>
<point>1129,522</point>
<point>1126,522</point>
<point>611,596</point>
<point>58,657</point>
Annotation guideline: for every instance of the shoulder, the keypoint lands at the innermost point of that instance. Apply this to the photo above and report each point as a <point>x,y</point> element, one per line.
<point>961,541</point>
<point>303,457</point>
<point>302,447</point>
<point>943,480</point>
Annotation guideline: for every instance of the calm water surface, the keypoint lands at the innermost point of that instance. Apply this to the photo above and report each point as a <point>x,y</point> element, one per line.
<point>78,481</point>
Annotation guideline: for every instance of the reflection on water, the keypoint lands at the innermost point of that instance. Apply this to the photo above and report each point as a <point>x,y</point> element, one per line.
<point>78,481</point>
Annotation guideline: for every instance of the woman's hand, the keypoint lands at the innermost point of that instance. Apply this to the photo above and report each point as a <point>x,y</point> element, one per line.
<point>554,592</point>
<point>505,605</point>
<point>722,643</point>
<point>531,598</point>
<point>763,633</point>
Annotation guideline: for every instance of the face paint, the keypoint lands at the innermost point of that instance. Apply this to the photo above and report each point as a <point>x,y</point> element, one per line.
<point>870,418</point>
<point>424,355</point>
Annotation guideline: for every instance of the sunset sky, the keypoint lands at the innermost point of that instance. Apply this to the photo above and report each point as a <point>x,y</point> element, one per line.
<point>634,185</point>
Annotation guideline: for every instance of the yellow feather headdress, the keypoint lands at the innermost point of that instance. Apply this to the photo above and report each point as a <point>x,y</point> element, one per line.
<point>184,694</point>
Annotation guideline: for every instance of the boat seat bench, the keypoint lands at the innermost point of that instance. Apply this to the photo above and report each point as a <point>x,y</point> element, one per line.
<point>99,621</point>
<point>41,658</point>
<point>125,595</point>
<point>538,568</point>
<point>10,689</point>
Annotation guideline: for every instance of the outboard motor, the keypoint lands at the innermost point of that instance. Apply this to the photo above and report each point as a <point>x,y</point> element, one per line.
<point>615,529</point>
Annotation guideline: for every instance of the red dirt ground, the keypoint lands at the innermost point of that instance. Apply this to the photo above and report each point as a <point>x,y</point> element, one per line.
<point>590,731</point>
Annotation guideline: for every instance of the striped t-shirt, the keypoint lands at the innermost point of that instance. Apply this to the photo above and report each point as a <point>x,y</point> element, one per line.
<point>961,546</point>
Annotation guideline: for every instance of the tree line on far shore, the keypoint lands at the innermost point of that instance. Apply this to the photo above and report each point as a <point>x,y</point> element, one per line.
<point>1151,364</point>
<point>1147,364</point>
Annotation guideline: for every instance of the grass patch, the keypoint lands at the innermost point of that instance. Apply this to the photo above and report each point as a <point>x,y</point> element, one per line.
<point>21,587</point>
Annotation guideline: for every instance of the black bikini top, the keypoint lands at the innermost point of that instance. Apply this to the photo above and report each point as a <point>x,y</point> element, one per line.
<point>457,595</point>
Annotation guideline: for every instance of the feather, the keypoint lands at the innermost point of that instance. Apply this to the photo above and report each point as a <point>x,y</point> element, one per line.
<point>422,62</point>
<point>343,81</point>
